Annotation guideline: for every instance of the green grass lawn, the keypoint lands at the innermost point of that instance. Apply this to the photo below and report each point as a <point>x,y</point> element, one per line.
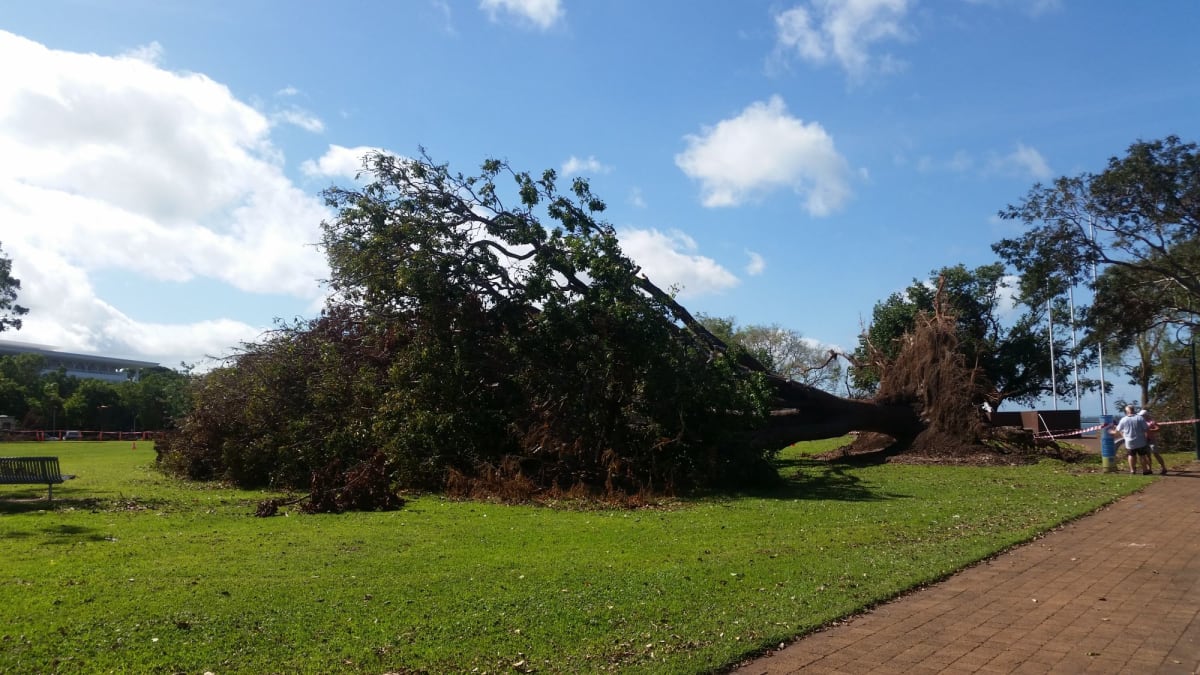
<point>130,571</point>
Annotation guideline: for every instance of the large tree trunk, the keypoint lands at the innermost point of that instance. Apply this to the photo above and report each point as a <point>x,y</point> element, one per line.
<point>803,413</point>
<point>800,412</point>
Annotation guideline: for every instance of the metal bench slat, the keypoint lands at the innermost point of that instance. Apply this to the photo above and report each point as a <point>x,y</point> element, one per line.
<point>33,470</point>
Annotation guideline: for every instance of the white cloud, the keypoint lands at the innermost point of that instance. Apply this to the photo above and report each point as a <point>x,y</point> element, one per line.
<point>669,259</point>
<point>112,163</point>
<point>1039,7</point>
<point>301,118</point>
<point>151,53</point>
<point>636,198</point>
<point>764,149</point>
<point>1034,8</point>
<point>338,162</point>
<point>844,31</point>
<point>294,114</point>
<point>575,165</point>
<point>447,16</point>
<point>541,13</point>
<point>1024,161</point>
<point>1006,295</point>
<point>960,162</point>
<point>757,264</point>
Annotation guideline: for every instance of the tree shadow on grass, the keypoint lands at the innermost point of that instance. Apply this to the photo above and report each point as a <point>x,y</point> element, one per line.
<point>805,478</point>
<point>828,477</point>
<point>69,534</point>
<point>16,505</point>
<point>58,534</point>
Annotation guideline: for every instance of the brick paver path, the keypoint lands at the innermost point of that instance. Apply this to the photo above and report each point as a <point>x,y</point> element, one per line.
<point>1115,592</point>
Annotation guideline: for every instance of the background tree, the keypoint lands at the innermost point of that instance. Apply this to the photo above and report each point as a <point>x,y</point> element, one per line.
<point>19,384</point>
<point>94,405</point>
<point>1140,218</point>
<point>54,400</point>
<point>1172,393</point>
<point>10,311</point>
<point>1141,362</point>
<point>1011,352</point>
<point>153,400</point>
<point>781,350</point>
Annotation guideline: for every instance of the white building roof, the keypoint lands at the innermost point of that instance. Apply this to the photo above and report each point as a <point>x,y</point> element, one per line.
<point>79,365</point>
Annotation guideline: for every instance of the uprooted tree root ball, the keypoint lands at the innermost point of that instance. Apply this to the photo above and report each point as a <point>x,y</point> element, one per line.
<point>930,375</point>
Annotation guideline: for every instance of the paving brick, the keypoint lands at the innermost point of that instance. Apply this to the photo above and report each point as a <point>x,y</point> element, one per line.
<point>1118,591</point>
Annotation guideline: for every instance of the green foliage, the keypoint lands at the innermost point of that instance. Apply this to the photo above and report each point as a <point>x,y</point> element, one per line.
<point>55,401</point>
<point>1170,393</point>
<point>131,571</point>
<point>1139,221</point>
<point>1140,217</point>
<point>90,405</point>
<point>1011,353</point>
<point>781,350</point>
<point>471,341</point>
<point>19,385</point>
<point>289,406</point>
<point>10,311</point>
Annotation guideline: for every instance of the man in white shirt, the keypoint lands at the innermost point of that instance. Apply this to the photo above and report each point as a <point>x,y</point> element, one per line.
<point>1134,430</point>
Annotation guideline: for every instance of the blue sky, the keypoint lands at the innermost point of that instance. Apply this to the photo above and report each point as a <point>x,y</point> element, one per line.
<point>787,162</point>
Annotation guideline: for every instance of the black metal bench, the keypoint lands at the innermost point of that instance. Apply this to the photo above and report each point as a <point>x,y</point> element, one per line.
<point>32,470</point>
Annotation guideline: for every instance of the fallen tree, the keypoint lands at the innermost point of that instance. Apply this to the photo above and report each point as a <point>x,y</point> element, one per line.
<point>468,346</point>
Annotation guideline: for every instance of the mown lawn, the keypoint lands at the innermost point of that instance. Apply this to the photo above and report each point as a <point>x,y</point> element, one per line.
<point>130,571</point>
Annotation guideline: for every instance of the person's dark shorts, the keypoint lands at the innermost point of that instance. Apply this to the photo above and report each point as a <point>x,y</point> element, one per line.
<point>1138,452</point>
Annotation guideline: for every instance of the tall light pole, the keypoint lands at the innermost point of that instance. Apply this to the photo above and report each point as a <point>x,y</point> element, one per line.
<point>1195,395</point>
<point>1074,347</point>
<point>1108,447</point>
<point>1099,347</point>
<point>1053,373</point>
<point>102,408</point>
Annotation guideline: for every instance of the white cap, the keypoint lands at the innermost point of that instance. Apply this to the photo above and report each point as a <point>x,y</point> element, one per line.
<point>1143,412</point>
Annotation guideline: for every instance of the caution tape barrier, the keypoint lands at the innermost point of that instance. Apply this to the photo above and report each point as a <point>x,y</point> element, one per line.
<point>1067,434</point>
<point>1077,432</point>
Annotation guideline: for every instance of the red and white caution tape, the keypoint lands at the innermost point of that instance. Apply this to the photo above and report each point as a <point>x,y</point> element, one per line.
<point>1077,432</point>
<point>1193,421</point>
<point>1067,434</point>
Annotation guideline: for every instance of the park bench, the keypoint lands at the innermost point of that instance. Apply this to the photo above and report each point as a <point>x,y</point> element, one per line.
<point>32,470</point>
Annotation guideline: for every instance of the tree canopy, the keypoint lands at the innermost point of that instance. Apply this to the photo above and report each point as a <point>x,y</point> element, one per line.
<point>1139,218</point>
<point>10,311</point>
<point>56,401</point>
<point>781,350</point>
<point>471,345</point>
<point>1012,352</point>
<point>487,335</point>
